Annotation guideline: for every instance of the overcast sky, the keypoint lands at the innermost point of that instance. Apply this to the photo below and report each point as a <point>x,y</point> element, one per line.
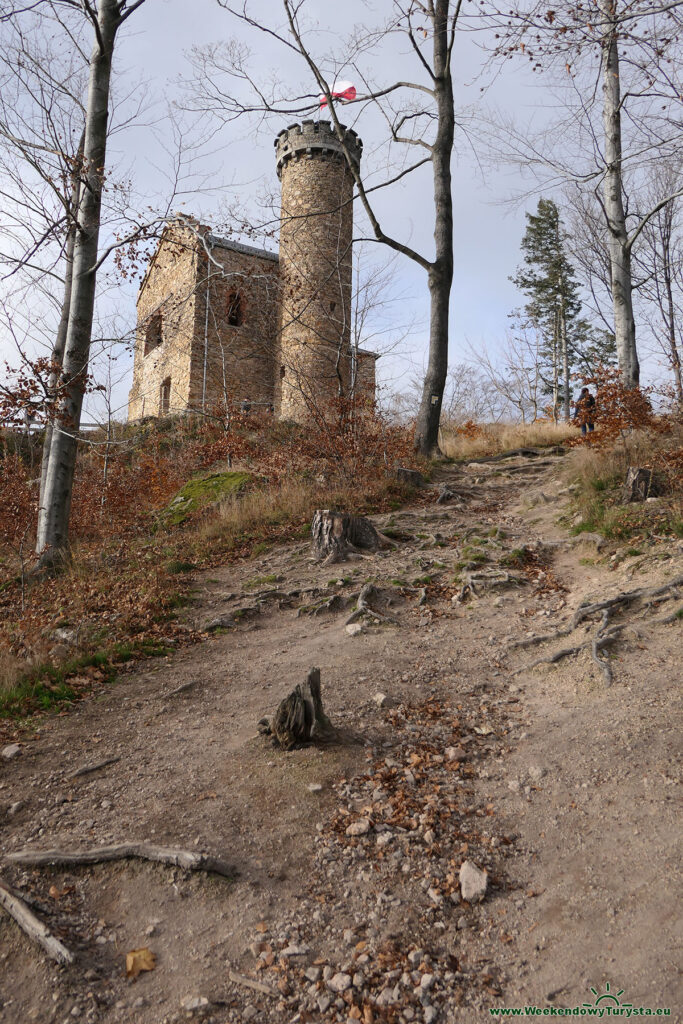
<point>153,57</point>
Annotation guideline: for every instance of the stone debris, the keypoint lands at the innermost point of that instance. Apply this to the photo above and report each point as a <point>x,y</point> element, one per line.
<point>473,881</point>
<point>11,751</point>
<point>191,1004</point>
<point>354,629</point>
<point>339,982</point>
<point>358,828</point>
<point>396,838</point>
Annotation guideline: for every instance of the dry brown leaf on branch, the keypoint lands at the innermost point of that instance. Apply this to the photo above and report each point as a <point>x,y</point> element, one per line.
<point>140,960</point>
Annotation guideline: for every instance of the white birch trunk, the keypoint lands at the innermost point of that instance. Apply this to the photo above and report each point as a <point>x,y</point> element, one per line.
<point>56,500</point>
<point>617,238</point>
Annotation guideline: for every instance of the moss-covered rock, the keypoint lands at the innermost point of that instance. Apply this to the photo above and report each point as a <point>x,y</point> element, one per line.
<point>200,492</point>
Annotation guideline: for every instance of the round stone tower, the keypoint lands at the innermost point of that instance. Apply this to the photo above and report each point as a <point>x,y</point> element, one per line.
<point>316,231</point>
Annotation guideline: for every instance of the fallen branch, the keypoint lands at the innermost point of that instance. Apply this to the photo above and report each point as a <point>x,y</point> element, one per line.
<point>88,768</point>
<point>186,859</point>
<point>257,986</point>
<point>31,926</point>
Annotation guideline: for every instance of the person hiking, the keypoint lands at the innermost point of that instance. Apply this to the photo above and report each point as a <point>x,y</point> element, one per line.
<point>585,411</point>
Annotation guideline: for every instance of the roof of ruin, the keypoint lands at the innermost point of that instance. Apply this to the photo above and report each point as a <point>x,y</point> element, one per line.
<point>248,250</point>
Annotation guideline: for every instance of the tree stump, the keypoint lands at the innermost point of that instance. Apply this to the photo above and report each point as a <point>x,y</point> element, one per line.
<point>300,717</point>
<point>411,477</point>
<point>639,484</point>
<point>336,535</point>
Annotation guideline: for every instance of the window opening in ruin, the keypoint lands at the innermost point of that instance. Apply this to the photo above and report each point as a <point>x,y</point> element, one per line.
<point>333,306</point>
<point>153,333</point>
<point>235,314</point>
<point>283,371</point>
<point>165,397</point>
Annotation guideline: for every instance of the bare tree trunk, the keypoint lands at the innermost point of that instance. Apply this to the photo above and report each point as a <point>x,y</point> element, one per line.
<point>665,227</point>
<point>441,272</point>
<point>56,500</point>
<point>60,340</point>
<point>675,354</point>
<point>565,364</point>
<point>618,240</point>
<point>556,370</point>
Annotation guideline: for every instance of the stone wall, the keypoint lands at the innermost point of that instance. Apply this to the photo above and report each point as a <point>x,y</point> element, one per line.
<point>316,231</point>
<point>166,327</point>
<point>207,325</point>
<point>365,378</point>
<point>235,335</point>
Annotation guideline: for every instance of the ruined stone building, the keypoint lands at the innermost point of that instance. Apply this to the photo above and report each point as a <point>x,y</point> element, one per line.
<point>223,322</point>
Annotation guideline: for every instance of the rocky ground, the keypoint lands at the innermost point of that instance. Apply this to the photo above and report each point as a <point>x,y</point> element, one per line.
<point>485,835</point>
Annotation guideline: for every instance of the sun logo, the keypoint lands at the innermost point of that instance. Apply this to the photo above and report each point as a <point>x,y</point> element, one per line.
<point>608,997</point>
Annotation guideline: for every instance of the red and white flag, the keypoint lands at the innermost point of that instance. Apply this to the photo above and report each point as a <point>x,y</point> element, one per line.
<point>344,91</point>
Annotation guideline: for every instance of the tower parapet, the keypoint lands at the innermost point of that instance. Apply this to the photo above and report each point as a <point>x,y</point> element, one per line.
<point>316,232</point>
<point>315,138</point>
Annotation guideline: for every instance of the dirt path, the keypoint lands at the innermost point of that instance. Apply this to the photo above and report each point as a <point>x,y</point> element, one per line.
<point>346,903</point>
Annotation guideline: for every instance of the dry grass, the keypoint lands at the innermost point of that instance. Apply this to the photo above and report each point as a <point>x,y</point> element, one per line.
<point>600,473</point>
<point>587,464</point>
<point>268,514</point>
<point>470,442</point>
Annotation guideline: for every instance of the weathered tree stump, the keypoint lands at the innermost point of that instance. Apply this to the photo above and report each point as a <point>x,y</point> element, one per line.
<point>300,717</point>
<point>336,535</point>
<point>639,484</point>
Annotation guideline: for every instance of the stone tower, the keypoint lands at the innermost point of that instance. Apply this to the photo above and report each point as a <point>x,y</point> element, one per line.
<point>316,230</point>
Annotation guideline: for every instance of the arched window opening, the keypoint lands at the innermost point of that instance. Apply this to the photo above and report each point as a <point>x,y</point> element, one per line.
<point>235,315</point>
<point>153,333</point>
<point>165,397</point>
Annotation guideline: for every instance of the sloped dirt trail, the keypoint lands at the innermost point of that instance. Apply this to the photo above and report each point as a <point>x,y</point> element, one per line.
<point>346,902</point>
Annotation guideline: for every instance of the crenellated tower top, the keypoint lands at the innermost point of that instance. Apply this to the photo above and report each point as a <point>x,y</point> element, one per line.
<point>315,139</point>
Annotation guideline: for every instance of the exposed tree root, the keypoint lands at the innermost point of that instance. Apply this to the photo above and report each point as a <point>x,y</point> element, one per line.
<point>88,768</point>
<point>604,635</point>
<point>31,926</point>
<point>528,453</point>
<point>186,859</point>
<point>363,607</point>
<point>475,581</point>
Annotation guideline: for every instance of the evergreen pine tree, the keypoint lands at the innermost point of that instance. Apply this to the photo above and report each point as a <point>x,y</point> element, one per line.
<point>553,306</point>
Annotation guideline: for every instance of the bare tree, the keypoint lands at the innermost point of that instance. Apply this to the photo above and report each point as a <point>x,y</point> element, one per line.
<point>515,372</point>
<point>660,264</point>
<point>423,117</point>
<point>626,50</point>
